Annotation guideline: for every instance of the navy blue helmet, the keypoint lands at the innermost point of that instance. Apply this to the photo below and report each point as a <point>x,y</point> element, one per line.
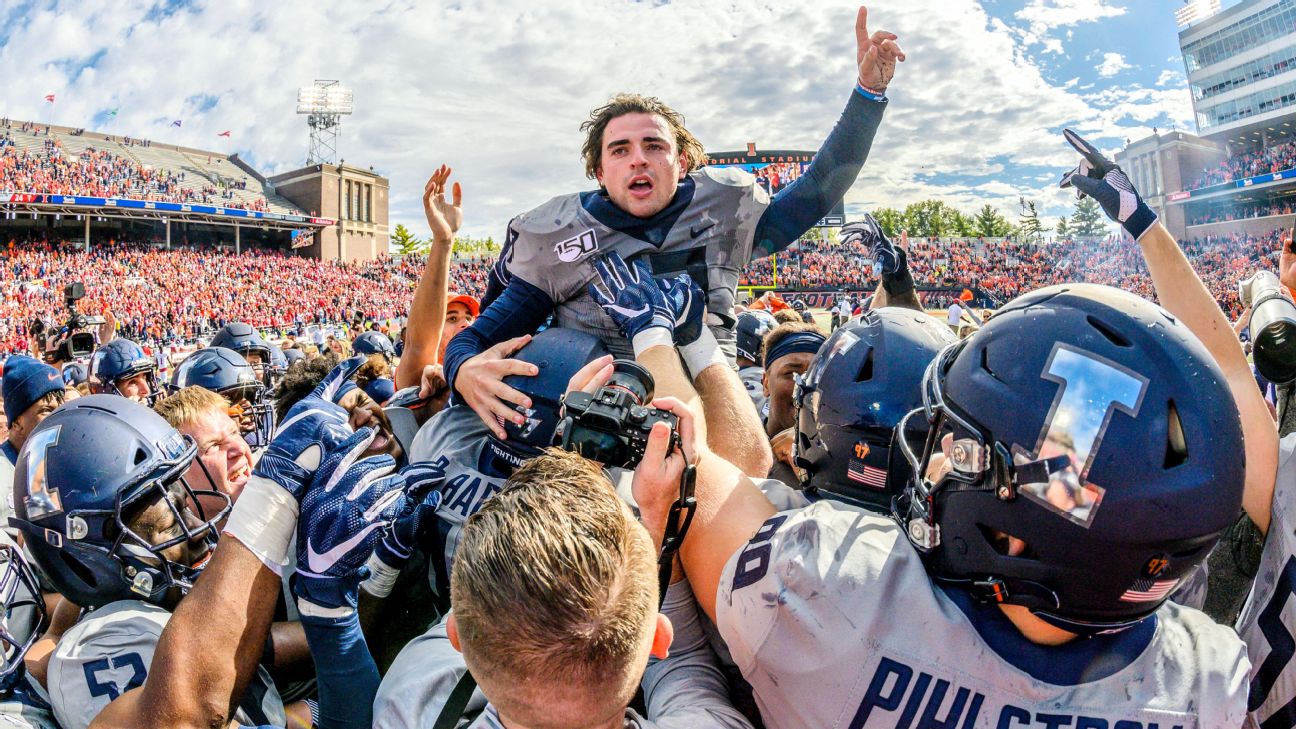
<point>278,363</point>
<point>83,476</point>
<point>120,360</point>
<point>74,373</point>
<point>247,341</point>
<point>752,327</point>
<point>293,355</point>
<point>559,354</point>
<point>1093,456</point>
<point>227,373</point>
<point>862,382</point>
<point>373,342</point>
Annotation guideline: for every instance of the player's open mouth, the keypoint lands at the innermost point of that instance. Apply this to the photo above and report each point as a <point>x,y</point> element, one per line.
<point>380,442</point>
<point>202,561</point>
<point>641,186</point>
<point>240,473</point>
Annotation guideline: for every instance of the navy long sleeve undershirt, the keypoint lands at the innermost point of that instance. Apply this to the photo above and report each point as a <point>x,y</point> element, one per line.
<point>522,307</point>
<point>347,676</point>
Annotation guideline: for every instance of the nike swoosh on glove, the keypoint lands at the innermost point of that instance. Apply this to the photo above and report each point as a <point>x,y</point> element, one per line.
<point>888,258</point>
<point>1104,181</point>
<point>688,302</point>
<point>349,504</point>
<point>631,296</point>
<point>422,489</point>
<point>312,427</point>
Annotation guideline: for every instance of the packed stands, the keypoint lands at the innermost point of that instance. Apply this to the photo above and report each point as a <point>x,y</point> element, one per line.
<point>181,294</point>
<point>177,295</point>
<point>44,159</point>
<point>1249,164</point>
<point>1004,269</point>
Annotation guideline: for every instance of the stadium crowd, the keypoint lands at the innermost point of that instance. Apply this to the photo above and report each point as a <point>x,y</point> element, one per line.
<point>164,296</point>
<point>1246,164</point>
<point>100,173</point>
<point>1004,269</point>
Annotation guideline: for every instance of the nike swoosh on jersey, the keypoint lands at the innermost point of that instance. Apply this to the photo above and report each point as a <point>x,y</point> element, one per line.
<point>321,563</point>
<point>629,313</point>
<point>695,232</point>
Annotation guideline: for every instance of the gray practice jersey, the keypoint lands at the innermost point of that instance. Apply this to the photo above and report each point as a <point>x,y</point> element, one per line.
<point>832,617</point>
<point>553,248</point>
<point>109,651</point>
<point>753,380</point>
<point>685,691</point>
<point>1267,621</point>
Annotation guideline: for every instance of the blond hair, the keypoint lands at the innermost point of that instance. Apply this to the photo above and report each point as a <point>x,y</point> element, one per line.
<point>188,405</point>
<point>686,144</point>
<point>553,577</point>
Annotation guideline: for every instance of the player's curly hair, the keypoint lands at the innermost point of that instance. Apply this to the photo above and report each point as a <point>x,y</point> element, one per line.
<point>592,151</point>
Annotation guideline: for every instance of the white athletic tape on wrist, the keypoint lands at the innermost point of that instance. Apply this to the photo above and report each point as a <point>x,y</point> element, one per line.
<point>311,610</point>
<point>651,337</point>
<point>382,577</point>
<point>702,353</point>
<point>264,520</point>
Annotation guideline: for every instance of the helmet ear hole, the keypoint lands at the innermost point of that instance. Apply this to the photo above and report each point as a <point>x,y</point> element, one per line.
<point>985,363</point>
<point>1176,452</point>
<point>866,369</point>
<point>141,455</point>
<point>1112,335</point>
<point>78,569</point>
<point>1006,544</point>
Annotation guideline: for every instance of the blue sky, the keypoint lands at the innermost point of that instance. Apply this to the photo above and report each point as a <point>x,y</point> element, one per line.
<point>498,88</point>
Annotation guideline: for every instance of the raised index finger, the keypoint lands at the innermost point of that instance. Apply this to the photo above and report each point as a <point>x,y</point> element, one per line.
<point>861,26</point>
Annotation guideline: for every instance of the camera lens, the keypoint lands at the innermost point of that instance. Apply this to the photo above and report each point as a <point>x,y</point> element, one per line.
<point>629,376</point>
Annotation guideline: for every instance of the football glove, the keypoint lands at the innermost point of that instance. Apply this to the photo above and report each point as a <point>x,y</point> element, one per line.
<point>1104,181</point>
<point>632,297</point>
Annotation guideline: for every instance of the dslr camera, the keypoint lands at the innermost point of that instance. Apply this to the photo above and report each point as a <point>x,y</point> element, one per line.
<point>79,342</point>
<point>611,426</point>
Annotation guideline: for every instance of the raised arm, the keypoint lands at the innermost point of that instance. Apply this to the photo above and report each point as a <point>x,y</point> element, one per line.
<point>428,310</point>
<point>840,159</point>
<point>1183,294</point>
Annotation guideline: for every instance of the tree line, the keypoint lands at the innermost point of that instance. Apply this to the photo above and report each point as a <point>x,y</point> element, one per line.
<point>924,219</point>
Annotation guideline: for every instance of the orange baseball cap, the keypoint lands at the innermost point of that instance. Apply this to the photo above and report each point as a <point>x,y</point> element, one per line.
<point>473,307</point>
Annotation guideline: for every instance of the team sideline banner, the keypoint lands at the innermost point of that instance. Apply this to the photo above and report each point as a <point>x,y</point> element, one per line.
<point>128,204</point>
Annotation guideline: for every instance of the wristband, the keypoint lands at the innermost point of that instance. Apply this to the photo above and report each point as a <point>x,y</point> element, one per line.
<point>652,337</point>
<point>702,353</point>
<point>264,520</point>
<point>309,609</point>
<point>868,93</point>
<point>382,577</point>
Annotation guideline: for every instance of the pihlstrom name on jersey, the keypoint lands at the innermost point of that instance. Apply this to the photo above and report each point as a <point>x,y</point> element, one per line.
<point>915,699</point>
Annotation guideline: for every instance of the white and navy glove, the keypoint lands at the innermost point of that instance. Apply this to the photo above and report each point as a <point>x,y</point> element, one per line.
<point>634,300</point>
<point>344,513</point>
<point>265,517</point>
<point>890,262</point>
<point>689,303</point>
<point>313,427</point>
<point>422,487</point>
<point>1104,181</point>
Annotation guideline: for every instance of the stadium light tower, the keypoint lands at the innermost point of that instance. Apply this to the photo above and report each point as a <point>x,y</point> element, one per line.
<point>324,103</point>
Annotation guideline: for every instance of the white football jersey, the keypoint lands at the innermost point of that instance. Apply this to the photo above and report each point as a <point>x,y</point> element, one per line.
<point>109,651</point>
<point>832,617</point>
<point>1268,620</point>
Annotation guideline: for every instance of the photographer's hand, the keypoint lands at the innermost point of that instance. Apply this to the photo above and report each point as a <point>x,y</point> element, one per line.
<point>656,483</point>
<point>1287,262</point>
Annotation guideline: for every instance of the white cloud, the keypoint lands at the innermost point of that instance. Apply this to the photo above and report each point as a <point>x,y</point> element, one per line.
<point>1112,64</point>
<point>498,88</point>
<point>1045,15</point>
<point>1168,77</point>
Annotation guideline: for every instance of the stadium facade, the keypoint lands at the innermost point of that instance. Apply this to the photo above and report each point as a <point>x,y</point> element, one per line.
<point>1241,69</point>
<point>216,199</point>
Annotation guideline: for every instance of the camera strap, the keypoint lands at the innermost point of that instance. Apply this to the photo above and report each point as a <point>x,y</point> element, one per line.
<point>676,529</point>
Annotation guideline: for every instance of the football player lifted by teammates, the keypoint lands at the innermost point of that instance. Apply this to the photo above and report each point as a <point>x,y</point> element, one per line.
<point>656,203</point>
